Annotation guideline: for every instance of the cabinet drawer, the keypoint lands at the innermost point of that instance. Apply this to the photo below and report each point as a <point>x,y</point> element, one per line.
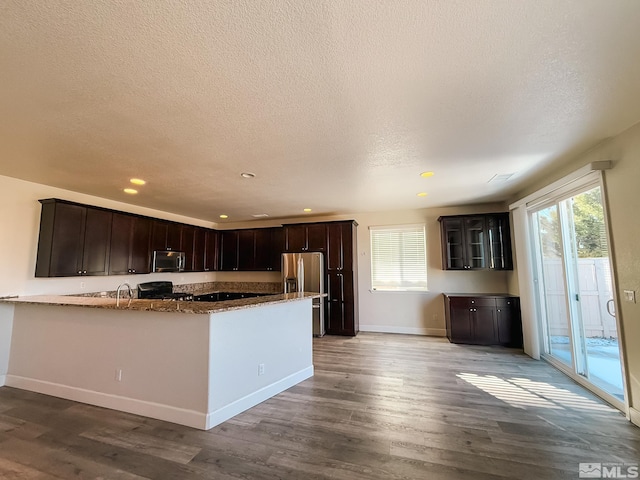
<point>469,302</point>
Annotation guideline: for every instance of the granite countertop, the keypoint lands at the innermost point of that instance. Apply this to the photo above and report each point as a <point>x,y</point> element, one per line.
<point>160,305</point>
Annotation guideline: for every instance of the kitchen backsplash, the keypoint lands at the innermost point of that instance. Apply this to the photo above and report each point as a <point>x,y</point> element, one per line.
<point>204,287</point>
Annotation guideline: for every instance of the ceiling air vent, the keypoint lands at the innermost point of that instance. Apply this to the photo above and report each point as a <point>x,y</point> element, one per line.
<point>500,178</point>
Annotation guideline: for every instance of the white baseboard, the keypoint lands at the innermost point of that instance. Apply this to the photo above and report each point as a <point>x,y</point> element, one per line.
<point>634,416</point>
<point>3,380</point>
<point>431,332</point>
<point>253,399</point>
<point>190,418</point>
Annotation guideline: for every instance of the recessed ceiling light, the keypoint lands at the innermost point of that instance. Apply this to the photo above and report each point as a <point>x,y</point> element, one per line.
<point>422,194</point>
<point>247,175</point>
<point>427,174</point>
<point>137,181</point>
<point>130,191</point>
<point>224,216</point>
<point>307,210</point>
<point>260,215</point>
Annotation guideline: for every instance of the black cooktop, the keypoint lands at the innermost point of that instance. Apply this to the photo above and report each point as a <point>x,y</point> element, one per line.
<point>221,296</point>
<point>161,290</point>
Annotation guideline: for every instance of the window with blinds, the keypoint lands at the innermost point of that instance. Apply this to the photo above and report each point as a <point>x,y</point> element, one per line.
<point>398,257</point>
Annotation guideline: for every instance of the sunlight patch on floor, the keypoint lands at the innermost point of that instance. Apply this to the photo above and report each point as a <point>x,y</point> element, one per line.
<point>522,393</point>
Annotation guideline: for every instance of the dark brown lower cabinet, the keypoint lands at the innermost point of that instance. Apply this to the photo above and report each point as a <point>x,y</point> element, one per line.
<point>483,319</point>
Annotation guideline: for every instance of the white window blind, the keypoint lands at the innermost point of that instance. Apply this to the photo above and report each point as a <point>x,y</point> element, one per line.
<point>398,258</point>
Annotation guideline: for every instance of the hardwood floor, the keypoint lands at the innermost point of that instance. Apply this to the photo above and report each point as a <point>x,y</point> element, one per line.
<point>379,407</point>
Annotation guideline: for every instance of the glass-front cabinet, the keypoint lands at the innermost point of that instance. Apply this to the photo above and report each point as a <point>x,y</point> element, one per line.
<point>476,242</point>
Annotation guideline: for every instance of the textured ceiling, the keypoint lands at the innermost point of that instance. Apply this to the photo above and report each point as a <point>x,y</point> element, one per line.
<point>334,105</point>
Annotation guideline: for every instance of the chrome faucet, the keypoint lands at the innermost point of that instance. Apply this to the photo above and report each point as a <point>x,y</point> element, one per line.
<point>118,293</point>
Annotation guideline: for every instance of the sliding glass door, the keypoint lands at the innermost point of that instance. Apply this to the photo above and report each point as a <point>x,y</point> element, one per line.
<point>575,292</point>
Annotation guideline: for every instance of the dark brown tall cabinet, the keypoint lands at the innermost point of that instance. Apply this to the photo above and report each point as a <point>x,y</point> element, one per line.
<point>476,242</point>
<point>74,240</point>
<point>342,279</point>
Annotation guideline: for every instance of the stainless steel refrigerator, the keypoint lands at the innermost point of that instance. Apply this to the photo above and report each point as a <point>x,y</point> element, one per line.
<point>304,272</point>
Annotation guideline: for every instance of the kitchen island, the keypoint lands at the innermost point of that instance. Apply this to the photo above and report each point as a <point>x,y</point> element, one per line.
<point>193,363</point>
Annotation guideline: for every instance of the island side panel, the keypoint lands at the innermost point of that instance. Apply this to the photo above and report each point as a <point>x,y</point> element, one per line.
<point>278,336</point>
<point>6,327</point>
<point>76,353</point>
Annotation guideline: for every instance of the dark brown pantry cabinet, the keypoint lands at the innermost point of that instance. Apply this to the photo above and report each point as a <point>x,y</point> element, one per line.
<point>74,240</point>
<point>483,319</point>
<point>342,278</point>
<point>476,242</point>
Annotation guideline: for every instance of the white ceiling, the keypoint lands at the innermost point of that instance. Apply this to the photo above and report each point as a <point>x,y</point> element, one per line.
<point>334,105</point>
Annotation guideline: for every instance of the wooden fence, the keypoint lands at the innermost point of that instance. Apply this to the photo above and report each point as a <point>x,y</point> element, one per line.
<point>594,279</point>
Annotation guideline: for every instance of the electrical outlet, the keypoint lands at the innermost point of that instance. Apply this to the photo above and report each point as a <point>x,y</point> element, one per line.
<point>118,375</point>
<point>630,296</point>
<point>261,369</point>
<point>82,285</point>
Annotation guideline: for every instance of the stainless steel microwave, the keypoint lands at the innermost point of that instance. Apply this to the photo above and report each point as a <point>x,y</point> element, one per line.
<point>168,261</point>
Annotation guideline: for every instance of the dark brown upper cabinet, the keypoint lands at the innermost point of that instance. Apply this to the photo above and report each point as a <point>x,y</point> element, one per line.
<point>476,242</point>
<point>229,250</point>
<point>340,246</point>
<point>306,237</point>
<point>130,237</point>
<point>212,250</point>
<point>187,238</point>
<point>77,239</point>
<point>74,240</point>
<point>167,235</point>
<point>199,249</point>
<point>500,253</point>
<point>269,246</point>
<point>256,249</point>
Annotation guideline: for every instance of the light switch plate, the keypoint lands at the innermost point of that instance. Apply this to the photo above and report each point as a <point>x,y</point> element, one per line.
<point>630,296</point>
